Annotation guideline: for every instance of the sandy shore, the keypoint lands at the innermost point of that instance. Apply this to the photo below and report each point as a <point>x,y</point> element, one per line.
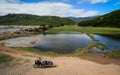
<point>76,66</point>
<point>65,65</point>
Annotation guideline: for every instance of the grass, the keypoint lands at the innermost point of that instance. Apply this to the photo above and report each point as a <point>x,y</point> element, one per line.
<point>5,58</point>
<point>115,53</point>
<point>79,51</point>
<point>90,45</point>
<point>26,60</point>
<point>33,50</point>
<point>101,46</point>
<point>98,44</point>
<point>76,29</point>
<point>92,37</point>
<point>49,53</point>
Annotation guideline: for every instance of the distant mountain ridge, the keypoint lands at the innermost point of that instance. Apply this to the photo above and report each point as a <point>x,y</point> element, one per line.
<point>111,19</point>
<point>79,19</point>
<point>27,19</point>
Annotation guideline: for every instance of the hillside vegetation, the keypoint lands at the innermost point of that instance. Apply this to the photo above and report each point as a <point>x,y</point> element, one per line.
<point>108,20</point>
<point>26,19</point>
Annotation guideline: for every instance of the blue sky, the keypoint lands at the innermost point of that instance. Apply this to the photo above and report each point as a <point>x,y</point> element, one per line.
<point>63,8</point>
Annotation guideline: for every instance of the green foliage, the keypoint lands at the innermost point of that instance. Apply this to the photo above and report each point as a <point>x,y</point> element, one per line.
<point>98,45</point>
<point>115,53</point>
<point>26,19</point>
<point>92,37</point>
<point>90,45</point>
<point>108,20</point>
<point>101,46</point>
<point>79,51</point>
<point>5,58</point>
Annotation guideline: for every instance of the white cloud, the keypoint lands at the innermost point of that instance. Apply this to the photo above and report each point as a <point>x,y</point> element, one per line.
<point>93,1</point>
<point>45,8</point>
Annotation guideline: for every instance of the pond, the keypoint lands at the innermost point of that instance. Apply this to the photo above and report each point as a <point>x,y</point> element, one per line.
<point>63,43</point>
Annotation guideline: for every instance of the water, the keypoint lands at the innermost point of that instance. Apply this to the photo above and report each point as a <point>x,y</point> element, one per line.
<point>112,41</point>
<point>64,43</point>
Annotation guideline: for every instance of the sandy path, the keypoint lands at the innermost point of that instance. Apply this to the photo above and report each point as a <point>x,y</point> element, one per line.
<point>76,66</point>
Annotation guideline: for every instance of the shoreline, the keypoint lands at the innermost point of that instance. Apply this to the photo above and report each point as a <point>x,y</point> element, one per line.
<point>66,65</point>
<point>33,30</point>
<point>97,58</point>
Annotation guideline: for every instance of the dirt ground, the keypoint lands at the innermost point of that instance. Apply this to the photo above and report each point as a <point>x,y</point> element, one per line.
<point>22,65</point>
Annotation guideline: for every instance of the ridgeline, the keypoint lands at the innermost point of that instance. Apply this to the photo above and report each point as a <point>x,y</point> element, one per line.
<point>111,19</point>
<point>79,19</point>
<point>27,19</point>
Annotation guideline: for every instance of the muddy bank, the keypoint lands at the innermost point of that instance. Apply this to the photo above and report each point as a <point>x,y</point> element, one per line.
<point>19,31</point>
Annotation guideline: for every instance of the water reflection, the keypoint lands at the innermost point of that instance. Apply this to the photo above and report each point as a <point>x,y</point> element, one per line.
<point>63,42</point>
<point>112,41</point>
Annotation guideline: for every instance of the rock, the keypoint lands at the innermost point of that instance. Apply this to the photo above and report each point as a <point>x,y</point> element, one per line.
<point>33,41</point>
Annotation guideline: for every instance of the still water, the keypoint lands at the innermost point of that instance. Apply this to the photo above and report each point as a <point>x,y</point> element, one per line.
<point>64,43</point>
<point>112,41</point>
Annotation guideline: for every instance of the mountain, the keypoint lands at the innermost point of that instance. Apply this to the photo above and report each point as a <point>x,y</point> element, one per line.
<point>27,19</point>
<point>79,19</point>
<point>111,19</point>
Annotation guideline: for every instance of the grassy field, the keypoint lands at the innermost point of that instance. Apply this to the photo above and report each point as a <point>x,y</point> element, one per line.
<point>30,49</point>
<point>5,58</point>
<point>76,29</point>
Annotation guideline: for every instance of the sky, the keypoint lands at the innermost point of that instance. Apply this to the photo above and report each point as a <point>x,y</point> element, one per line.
<point>62,8</point>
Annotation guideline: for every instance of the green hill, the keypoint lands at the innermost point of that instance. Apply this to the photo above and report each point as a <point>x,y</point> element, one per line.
<point>111,19</point>
<point>27,19</point>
